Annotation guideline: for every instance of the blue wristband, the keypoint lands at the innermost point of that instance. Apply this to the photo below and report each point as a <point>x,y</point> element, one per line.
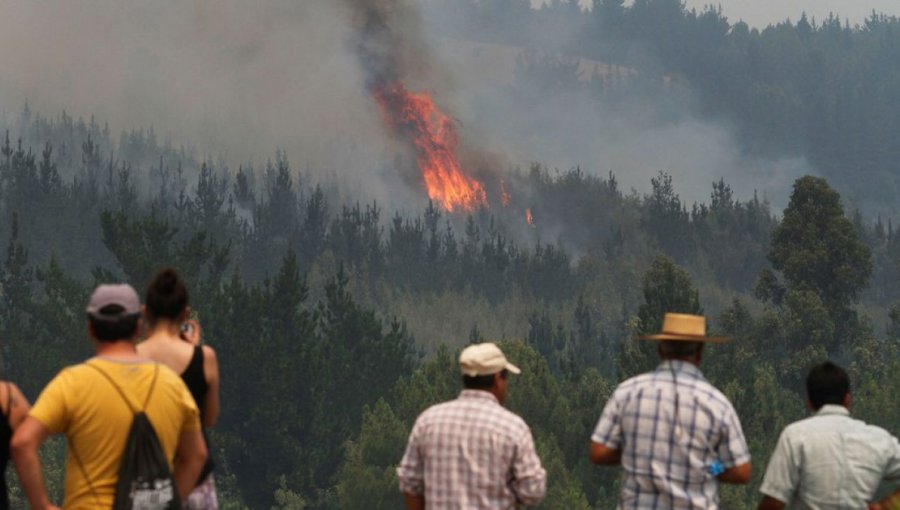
<point>716,468</point>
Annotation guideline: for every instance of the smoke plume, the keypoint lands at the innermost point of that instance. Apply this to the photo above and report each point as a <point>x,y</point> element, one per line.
<point>393,51</point>
<point>388,40</point>
<point>242,79</point>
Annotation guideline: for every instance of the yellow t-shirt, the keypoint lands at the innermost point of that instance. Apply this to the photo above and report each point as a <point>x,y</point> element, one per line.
<point>82,404</point>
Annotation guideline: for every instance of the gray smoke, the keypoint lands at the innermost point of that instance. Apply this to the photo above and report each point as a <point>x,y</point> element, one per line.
<point>235,78</point>
<point>388,39</point>
<point>566,125</point>
<point>242,79</point>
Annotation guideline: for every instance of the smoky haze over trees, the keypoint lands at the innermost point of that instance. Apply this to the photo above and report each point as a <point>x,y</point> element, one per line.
<point>338,297</point>
<point>237,81</point>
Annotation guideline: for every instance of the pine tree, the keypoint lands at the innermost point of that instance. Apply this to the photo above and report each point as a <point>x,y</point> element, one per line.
<point>818,250</point>
<point>666,288</point>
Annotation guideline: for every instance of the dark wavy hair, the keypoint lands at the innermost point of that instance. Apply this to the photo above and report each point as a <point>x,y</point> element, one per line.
<point>167,296</point>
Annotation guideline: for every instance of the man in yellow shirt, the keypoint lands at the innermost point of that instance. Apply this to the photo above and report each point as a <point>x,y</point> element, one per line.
<point>84,405</point>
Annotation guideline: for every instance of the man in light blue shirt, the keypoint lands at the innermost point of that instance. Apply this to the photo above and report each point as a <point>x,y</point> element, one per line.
<point>829,460</point>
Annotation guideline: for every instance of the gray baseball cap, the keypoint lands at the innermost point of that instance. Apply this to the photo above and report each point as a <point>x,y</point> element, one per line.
<point>120,294</point>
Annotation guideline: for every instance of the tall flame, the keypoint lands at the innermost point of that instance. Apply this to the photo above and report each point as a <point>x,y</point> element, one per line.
<point>433,134</point>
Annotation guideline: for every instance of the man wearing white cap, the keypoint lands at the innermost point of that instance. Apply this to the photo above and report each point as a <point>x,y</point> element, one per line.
<point>676,436</point>
<point>471,452</point>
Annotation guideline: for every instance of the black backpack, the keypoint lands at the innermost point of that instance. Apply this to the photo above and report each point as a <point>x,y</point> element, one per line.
<point>145,481</point>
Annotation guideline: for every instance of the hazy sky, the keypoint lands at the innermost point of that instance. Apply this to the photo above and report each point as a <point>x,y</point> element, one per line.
<point>759,13</point>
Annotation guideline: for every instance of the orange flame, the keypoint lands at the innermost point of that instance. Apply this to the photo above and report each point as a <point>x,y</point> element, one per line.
<point>528,217</point>
<point>433,134</point>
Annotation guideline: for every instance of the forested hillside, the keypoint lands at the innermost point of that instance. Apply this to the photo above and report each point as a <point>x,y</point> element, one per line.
<point>822,89</point>
<point>338,320</point>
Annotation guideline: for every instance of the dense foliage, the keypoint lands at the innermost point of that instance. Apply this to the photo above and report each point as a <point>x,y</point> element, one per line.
<point>337,322</point>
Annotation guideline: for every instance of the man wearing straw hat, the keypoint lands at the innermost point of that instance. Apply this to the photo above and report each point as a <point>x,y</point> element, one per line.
<point>471,452</point>
<point>676,436</point>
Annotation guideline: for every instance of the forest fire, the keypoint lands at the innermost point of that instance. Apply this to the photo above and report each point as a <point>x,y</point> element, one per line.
<point>433,135</point>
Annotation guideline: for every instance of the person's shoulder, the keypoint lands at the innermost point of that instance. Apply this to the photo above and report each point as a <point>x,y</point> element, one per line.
<point>208,350</point>
<point>168,376</point>
<point>799,428</point>
<point>875,431</point>
<point>514,419</point>
<point>508,424</point>
<point>712,396</point>
<point>77,369</point>
<point>635,382</point>
<point>717,394</point>
<point>432,413</point>
<point>814,426</point>
<point>72,374</point>
<point>176,391</point>
<point>502,417</point>
<point>209,356</point>
<point>465,406</point>
<point>626,388</point>
<point>71,380</point>
<point>438,409</point>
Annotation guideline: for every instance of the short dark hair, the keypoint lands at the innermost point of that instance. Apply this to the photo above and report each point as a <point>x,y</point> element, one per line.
<point>827,384</point>
<point>677,348</point>
<point>167,296</point>
<point>481,382</point>
<point>111,326</point>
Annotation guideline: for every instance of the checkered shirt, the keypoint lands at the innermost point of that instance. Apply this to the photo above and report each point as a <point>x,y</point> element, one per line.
<point>666,452</point>
<point>471,453</point>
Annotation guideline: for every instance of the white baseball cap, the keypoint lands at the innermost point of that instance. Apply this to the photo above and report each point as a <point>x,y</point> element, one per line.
<point>484,359</point>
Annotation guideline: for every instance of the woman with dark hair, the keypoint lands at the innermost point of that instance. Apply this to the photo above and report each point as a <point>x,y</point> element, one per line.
<point>13,410</point>
<point>174,340</point>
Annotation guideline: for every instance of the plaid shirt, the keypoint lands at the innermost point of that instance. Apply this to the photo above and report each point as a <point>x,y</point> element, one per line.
<point>669,433</point>
<point>471,453</point>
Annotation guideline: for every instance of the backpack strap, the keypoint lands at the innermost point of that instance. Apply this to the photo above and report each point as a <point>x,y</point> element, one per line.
<point>122,393</point>
<point>130,407</point>
<point>84,473</point>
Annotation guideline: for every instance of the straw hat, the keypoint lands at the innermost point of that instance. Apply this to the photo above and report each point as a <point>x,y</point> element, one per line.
<point>682,326</point>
